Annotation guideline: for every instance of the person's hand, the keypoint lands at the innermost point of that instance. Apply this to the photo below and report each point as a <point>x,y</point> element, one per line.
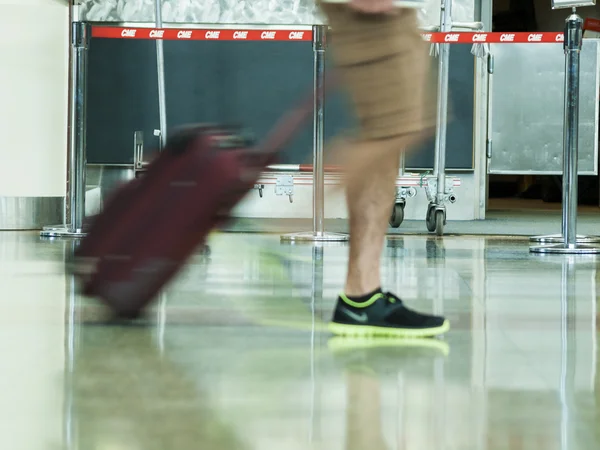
<point>373,6</point>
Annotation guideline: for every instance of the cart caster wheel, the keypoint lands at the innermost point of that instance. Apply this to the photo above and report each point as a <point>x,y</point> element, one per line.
<point>440,221</point>
<point>430,218</point>
<point>397,215</point>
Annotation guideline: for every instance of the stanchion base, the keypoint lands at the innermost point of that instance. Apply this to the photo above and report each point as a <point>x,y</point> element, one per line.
<point>559,239</point>
<point>562,249</point>
<point>311,236</point>
<point>64,232</point>
<point>53,227</point>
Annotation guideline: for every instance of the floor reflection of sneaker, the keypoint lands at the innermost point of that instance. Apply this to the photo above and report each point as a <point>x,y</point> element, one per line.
<point>382,354</point>
<point>384,314</point>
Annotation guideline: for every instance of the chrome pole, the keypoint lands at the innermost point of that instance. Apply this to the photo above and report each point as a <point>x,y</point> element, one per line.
<point>439,166</point>
<point>77,144</point>
<point>573,43</point>
<point>319,42</point>
<point>160,67</point>
<point>570,242</point>
<point>318,234</point>
<point>162,135</point>
<point>436,187</point>
<point>76,173</point>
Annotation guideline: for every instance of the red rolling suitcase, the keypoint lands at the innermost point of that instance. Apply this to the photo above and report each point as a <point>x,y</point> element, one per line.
<point>152,225</point>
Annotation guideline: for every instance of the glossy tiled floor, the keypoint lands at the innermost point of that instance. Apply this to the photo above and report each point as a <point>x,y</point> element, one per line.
<point>235,354</point>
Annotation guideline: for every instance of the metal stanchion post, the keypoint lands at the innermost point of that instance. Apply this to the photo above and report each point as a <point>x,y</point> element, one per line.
<point>439,166</point>
<point>160,67</point>
<point>437,194</point>
<point>318,234</point>
<point>569,242</point>
<point>80,38</point>
<point>162,136</point>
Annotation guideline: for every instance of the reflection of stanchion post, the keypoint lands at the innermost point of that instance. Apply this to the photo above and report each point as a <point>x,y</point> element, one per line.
<point>75,205</point>
<point>69,416</point>
<point>318,234</point>
<point>569,242</point>
<point>316,304</point>
<point>71,323</point>
<point>568,342</point>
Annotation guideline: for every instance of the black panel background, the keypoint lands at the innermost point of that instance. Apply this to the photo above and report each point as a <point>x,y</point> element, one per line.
<point>250,83</point>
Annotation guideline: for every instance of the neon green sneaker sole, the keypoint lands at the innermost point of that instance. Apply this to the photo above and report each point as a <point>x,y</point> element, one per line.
<point>367,330</point>
<point>344,344</point>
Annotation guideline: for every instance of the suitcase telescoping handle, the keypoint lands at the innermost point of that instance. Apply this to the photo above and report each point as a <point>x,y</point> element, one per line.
<point>291,122</point>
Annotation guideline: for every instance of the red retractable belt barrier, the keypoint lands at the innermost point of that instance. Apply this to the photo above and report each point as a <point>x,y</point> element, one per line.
<point>495,38</point>
<point>180,34</point>
<point>592,24</point>
<point>216,34</point>
<point>591,28</point>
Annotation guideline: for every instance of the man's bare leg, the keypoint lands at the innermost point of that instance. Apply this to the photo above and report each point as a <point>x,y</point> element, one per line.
<point>370,172</point>
<point>384,65</point>
<point>370,199</point>
<point>364,308</point>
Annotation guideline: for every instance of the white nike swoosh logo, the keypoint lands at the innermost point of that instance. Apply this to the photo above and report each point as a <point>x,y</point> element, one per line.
<point>358,317</point>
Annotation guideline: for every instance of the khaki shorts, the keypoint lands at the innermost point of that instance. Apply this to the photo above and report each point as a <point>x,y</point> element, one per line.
<point>385,64</point>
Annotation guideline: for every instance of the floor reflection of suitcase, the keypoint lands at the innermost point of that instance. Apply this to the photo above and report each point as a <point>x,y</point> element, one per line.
<point>152,224</point>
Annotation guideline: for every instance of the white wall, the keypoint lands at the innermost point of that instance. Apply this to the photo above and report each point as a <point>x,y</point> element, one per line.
<point>34,47</point>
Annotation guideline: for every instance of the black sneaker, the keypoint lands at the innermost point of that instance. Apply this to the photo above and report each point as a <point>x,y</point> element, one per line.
<point>384,314</point>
